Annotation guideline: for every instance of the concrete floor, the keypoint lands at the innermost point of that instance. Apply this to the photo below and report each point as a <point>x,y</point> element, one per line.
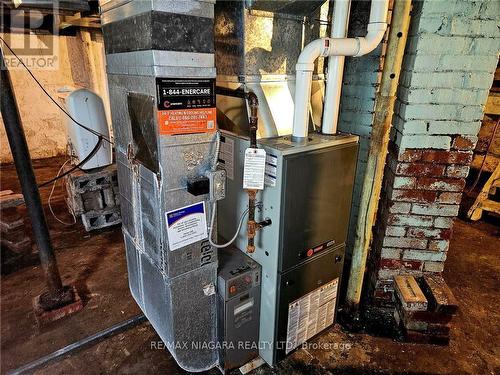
<point>96,263</point>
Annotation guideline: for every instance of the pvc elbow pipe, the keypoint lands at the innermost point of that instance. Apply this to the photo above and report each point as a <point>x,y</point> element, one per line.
<point>304,70</point>
<point>309,55</point>
<point>372,39</point>
<point>332,47</point>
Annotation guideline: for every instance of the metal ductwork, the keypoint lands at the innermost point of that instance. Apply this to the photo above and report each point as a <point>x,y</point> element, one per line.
<point>257,49</point>
<point>293,7</point>
<point>64,7</point>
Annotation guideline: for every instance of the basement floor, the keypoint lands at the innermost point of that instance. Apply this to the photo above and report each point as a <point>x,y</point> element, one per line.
<point>96,264</point>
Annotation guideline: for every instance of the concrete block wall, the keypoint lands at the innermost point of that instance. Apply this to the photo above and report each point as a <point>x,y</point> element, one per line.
<point>449,64</point>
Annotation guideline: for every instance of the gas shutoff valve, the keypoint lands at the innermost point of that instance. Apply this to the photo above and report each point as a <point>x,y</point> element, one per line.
<point>217,182</point>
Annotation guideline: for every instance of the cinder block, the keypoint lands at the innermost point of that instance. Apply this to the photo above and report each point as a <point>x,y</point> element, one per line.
<point>82,181</point>
<point>93,200</point>
<point>109,197</point>
<point>101,219</point>
<point>434,24</point>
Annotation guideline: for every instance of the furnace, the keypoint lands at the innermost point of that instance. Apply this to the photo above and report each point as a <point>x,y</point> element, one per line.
<point>217,112</point>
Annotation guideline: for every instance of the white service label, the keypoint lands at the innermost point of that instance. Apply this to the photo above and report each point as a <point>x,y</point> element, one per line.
<point>226,156</point>
<point>271,170</point>
<point>310,314</point>
<point>254,169</point>
<point>186,225</point>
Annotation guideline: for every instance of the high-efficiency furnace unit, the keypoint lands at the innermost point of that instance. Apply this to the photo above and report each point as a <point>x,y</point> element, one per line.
<point>307,198</point>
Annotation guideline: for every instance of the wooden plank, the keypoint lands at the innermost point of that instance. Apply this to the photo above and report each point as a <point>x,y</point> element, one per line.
<point>11,200</point>
<point>5,192</point>
<point>488,166</point>
<point>493,104</point>
<point>482,202</point>
<point>490,205</point>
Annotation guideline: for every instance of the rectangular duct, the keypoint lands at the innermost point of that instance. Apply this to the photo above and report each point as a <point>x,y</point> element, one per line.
<point>175,287</point>
<point>257,49</point>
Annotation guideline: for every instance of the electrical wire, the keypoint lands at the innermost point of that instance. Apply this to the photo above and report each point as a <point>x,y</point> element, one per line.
<point>217,150</point>
<point>52,99</point>
<point>50,198</point>
<point>85,160</point>
<point>212,221</point>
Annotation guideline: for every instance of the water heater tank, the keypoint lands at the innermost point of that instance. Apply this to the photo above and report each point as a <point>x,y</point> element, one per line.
<point>87,108</point>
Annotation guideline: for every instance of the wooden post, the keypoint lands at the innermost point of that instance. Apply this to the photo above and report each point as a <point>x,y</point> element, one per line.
<point>372,183</point>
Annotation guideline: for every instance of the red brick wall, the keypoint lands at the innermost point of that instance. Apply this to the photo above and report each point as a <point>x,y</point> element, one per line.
<point>422,193</point>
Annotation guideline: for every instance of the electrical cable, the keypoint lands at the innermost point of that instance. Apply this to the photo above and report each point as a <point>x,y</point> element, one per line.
<point>217,149</point>
<point>52,99</point>
<point>212,221</point>
<point>87,158</point>
<point>50,198</point>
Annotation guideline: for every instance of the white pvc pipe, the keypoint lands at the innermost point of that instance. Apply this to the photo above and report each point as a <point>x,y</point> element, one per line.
<point>332,47</point>
<point>335,69</point>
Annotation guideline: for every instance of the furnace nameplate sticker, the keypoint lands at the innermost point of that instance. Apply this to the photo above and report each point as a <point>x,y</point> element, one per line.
<point>226,156</point>
<point>186,105</point>
<point>311,314</point>
<point>254,169</point>
<point>186,225</point>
